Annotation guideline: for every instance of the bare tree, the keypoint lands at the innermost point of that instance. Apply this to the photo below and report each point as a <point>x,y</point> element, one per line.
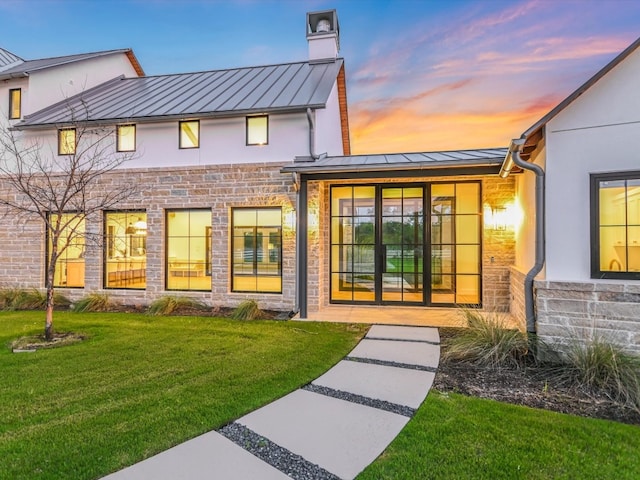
<point>61,190</point>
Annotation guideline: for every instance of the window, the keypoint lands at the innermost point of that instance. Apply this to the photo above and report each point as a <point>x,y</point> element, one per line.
<point>67,141</point>
<point>70,248</point>
<point>256,250</point>
<point>125,249</point>
<point>126,138</point>
<point>258,130</point>
<point>188,250</point>
<point>190,134</point>
<point>615,225</point>
<point>15,103</point>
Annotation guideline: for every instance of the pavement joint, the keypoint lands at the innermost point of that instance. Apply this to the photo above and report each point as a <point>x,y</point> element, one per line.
<point>289,463</point>
<point>391,364</point>
<point>402,340</point>
<point>361,400</point>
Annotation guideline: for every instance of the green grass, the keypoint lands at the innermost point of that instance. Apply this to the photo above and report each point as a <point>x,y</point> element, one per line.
<point>140,384</point>
<point>458,437</point>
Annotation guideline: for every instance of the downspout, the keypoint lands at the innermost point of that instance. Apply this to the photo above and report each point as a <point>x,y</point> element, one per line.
<point>312,135</point>
<point>513,157</point>
<point>296,306</point>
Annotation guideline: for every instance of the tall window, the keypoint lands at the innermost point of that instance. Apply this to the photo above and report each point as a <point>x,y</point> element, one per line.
<point>15,103</point>
<point>126,138</point>
<point>67,141</point>
<point>615,225</point>
<point>189,134</point>
<point>188,250</point>
<point>125,249</point>
<point>256,250</point>
<point>258,130</point>
<point>70,248</point>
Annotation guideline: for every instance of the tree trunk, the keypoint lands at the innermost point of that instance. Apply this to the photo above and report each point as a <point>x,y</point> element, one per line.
<point>48,323</point>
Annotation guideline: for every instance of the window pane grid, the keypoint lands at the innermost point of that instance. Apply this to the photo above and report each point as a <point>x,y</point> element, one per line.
<point>188,250</point>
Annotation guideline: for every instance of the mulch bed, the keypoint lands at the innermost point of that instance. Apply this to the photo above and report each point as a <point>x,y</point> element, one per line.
<point>527,387</point>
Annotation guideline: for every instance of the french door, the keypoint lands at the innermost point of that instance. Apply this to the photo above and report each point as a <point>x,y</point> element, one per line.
<point>415,244</point>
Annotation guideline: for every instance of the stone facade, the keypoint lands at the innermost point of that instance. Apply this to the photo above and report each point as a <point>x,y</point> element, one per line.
<point>216,187</point>
<point>575,311</point>
<point>517,307</point>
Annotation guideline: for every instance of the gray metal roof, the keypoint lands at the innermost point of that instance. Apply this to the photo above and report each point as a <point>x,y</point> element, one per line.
<point>400,161</point>
<point>286,87</point>
<point>23,67</point>
<point>8,59</point>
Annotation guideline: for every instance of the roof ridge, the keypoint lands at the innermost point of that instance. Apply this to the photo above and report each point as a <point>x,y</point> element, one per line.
<point>99,52</point>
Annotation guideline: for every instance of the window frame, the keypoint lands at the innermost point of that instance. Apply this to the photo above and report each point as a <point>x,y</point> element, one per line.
<point>594,224</point>
<point>65,258</point>
<point>208,249</point>
<point>254,256</point>
<point>12,103</point>
<point>247,128</point>
<point>119,136</point>
<point>180,123</point>
<point>109,245</point>
<point>75,140</point>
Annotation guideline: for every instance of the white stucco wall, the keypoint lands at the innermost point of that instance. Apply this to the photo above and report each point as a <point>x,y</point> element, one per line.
<point>328,126</point>
<point>222,141</point>
<point>598,132</point>
<point>57,83</point>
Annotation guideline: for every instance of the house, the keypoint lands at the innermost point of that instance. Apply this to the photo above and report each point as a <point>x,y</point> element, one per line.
<point>248,190</point>
<point>582,235</point>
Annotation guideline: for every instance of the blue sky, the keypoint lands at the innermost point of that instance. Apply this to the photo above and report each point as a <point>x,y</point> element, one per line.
<point>421,75</point>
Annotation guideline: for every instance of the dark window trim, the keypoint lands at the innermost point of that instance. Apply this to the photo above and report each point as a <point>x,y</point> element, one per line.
<point>135,134</point>
<point>75,138</point>
<point>247,130</point>
<point>106,247</point>
<point>46,249</point>
<point>594,223</point>
<point>180,134</point>
<point>11,117</point>
<point>166,250</point>
<point>256,274</point>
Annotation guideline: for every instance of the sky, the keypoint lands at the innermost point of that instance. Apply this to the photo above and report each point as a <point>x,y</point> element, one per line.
<point>421,75</point>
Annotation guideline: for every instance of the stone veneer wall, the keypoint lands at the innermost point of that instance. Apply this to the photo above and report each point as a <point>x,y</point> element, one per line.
<point>216,187</point>
<point>517,307</point>
<point>568,311</point>
<point>498,246</point>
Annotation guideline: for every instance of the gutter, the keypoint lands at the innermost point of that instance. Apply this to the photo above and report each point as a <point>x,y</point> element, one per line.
<point>513,157</point>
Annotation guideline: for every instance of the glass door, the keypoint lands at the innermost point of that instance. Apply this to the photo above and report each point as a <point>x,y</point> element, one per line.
<point>402,245</point>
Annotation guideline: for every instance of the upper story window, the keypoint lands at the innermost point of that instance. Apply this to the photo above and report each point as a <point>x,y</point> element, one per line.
<point>126,138</point>
<point>67,141</point>
<point>15,103</point>
<point>258,130</point>
<point>615,225</point>
<point>190,134</point>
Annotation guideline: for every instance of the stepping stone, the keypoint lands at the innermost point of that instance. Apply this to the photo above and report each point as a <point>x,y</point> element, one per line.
<point>339,436</point>
<point>424,334</point>
<point>410,353</point>
<point>208,456</point>
<point>392,384</point>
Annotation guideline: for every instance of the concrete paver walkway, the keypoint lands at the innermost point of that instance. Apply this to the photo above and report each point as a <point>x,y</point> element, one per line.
<point>332,428</point>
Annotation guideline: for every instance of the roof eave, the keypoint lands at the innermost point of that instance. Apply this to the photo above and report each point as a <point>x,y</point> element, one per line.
<point>315,169</point>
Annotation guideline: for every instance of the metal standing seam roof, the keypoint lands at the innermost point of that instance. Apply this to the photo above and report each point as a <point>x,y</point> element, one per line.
<point>285,87</point>
<point>23,67</point>
<point>400,161</point>
<point>8,59</point>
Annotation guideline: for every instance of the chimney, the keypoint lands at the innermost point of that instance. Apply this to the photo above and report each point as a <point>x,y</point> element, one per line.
<point>323,35</point>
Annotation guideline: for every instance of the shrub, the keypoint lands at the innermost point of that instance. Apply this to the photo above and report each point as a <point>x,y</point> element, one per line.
<point>488,342</point>
<point>600,365</point>
<point>22,299</point>
<point>94,302</point>
<point>170,304</point>
<point>247,310</point>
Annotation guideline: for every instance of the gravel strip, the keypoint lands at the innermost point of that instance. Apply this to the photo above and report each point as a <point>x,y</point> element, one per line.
<point>391,364</point>
<point>361,400</point>
<point>388,339</point>
<point>287,462</point>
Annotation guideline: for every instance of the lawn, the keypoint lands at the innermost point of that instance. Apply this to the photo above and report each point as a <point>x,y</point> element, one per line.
<point>140,384</point>
<point>458,437</point>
